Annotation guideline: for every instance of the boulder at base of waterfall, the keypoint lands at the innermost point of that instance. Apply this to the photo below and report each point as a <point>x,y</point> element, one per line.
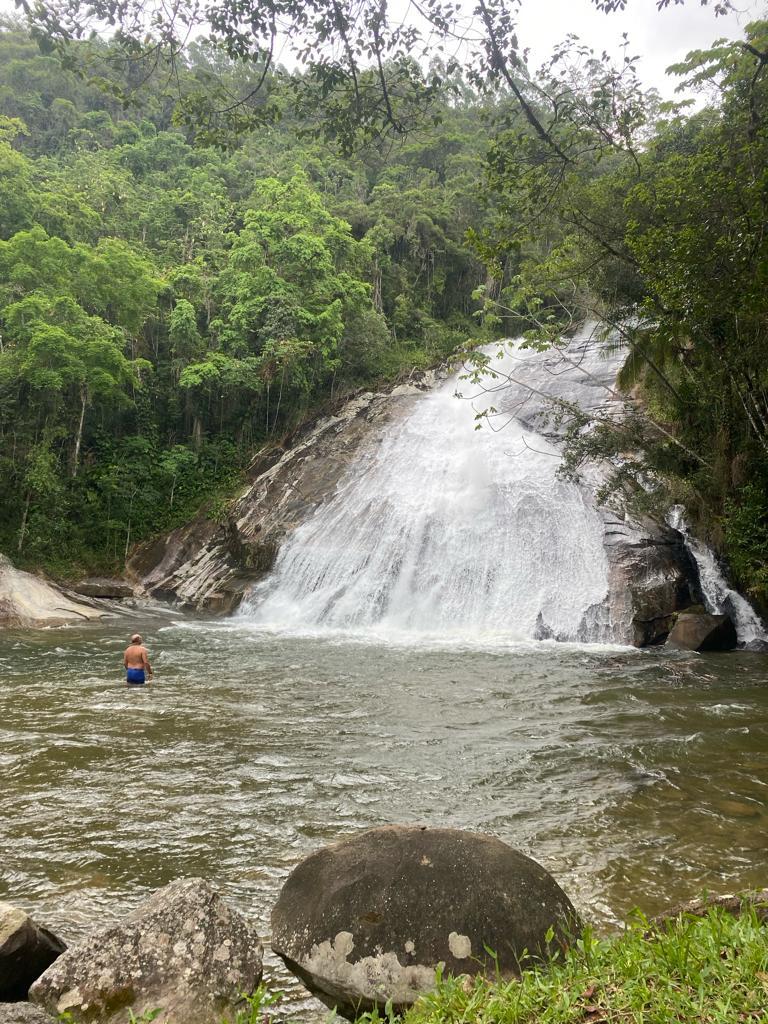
<point>703,632</point>
<point>370,919</point>
<point>26,600</point>
<point>26,950</point>
<point>182,952</point>
<point>24,1013</point>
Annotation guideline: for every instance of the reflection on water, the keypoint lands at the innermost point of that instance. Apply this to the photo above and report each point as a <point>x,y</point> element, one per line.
<point>636,778</point>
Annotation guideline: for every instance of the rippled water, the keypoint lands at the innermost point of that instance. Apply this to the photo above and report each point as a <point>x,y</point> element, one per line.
<point>636,778</point>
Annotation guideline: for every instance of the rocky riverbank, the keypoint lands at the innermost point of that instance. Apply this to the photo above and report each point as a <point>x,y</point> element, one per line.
<point>381,920</point>
<point>28,601</point>
<point>365,922</point>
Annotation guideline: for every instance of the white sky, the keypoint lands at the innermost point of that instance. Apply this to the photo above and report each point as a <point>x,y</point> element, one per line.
<point>660,37</point>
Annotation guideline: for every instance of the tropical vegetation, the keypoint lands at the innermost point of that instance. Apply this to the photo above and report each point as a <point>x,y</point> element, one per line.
<point>167,308</point>
<point>199,249</point>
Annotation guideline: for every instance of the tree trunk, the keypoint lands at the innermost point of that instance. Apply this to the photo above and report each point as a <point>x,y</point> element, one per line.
<point>23,528</point>
<point>79,438</point>
<point>279,398</point>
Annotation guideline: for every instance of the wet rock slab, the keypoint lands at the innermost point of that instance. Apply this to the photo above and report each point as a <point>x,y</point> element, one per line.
<point>207,565</point>
<point>182,951</point>
<point>26,950</point>
<point>27,600</point>
<point>103,587</point>
<point>370,919</point>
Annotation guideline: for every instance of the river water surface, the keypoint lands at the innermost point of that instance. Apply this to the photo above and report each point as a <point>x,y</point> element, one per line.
<point>636,778</point>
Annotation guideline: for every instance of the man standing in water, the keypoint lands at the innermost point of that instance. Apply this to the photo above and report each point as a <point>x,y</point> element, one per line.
<point>136,660</point>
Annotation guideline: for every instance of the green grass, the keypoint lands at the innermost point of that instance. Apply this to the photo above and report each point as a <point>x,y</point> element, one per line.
<point>712,969</point>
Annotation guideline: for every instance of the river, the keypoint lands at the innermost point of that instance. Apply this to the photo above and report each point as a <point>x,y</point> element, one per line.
<point>637,778</point>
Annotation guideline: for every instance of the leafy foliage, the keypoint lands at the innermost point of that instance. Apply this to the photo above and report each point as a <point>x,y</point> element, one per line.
<point>165,308</point>
<point>651,221</point>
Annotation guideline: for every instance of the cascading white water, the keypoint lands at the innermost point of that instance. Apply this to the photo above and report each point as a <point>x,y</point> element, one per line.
<point>719,598</point>
<point>438,528</point>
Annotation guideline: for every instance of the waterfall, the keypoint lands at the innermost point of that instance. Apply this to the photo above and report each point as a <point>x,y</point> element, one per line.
<point>719,598</point>
<point>438,528</point>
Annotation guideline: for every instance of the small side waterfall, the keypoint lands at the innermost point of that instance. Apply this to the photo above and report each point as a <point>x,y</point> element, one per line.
<point>441,529</point>
<point>719,598</point>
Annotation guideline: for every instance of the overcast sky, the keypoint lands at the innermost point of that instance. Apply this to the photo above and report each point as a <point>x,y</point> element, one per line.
<point>660,37</point>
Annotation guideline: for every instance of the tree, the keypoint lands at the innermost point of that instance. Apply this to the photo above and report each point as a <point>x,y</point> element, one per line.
<point>291,287</point>
<point>239,312</point>
<point>361,60</point>
<point>67,360</point>
<point>657,231</point>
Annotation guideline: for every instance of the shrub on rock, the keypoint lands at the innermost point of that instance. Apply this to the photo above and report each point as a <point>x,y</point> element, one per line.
<point>26,950</point>
<point>182,951</point>
<point>370,919</point>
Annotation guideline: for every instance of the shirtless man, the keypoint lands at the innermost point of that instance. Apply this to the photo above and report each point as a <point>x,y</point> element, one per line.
<point>136,661</point>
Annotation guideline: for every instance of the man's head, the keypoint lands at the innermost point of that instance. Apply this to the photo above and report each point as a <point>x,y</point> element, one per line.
<point>136,638</point>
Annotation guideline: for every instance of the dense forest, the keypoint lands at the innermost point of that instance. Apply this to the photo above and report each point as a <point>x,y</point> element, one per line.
<point>172,299</point>
<point>167,308</point>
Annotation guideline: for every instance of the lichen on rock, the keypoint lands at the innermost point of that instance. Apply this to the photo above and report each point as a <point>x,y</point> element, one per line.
<point>371,919</point>
<point>168,954</point>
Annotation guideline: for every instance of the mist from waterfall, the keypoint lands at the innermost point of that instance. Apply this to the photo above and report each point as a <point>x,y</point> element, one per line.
<point>440,529</point>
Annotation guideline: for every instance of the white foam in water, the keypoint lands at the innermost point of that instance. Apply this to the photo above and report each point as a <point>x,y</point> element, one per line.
<point>719,598</point>
<point>440,529</point>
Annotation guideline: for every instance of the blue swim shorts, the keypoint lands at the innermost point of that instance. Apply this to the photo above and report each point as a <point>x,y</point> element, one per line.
<point>134,676</point>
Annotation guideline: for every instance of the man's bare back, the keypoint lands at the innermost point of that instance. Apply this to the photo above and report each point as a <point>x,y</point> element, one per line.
<point>136,662</point>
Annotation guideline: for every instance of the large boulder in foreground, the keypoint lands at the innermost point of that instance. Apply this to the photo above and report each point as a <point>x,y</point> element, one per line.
<point>370,919</point>
<point>182,951</point>
<point>26,950</point>
<point>26,600</point>
<point>698,631</point>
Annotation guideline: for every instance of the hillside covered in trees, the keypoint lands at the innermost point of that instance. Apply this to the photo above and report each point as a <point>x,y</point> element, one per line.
<point>173,297</point>
<point>167,308</point>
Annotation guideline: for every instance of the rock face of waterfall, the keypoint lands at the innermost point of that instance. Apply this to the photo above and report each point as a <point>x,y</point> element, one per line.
<point>398,515</point>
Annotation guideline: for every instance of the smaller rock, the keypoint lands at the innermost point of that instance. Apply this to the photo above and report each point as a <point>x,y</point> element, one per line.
<point>97,586</point>
<point>24,1013</point>
<point>183,952</point>
<point>703,632</point>
<point>26,950</point>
